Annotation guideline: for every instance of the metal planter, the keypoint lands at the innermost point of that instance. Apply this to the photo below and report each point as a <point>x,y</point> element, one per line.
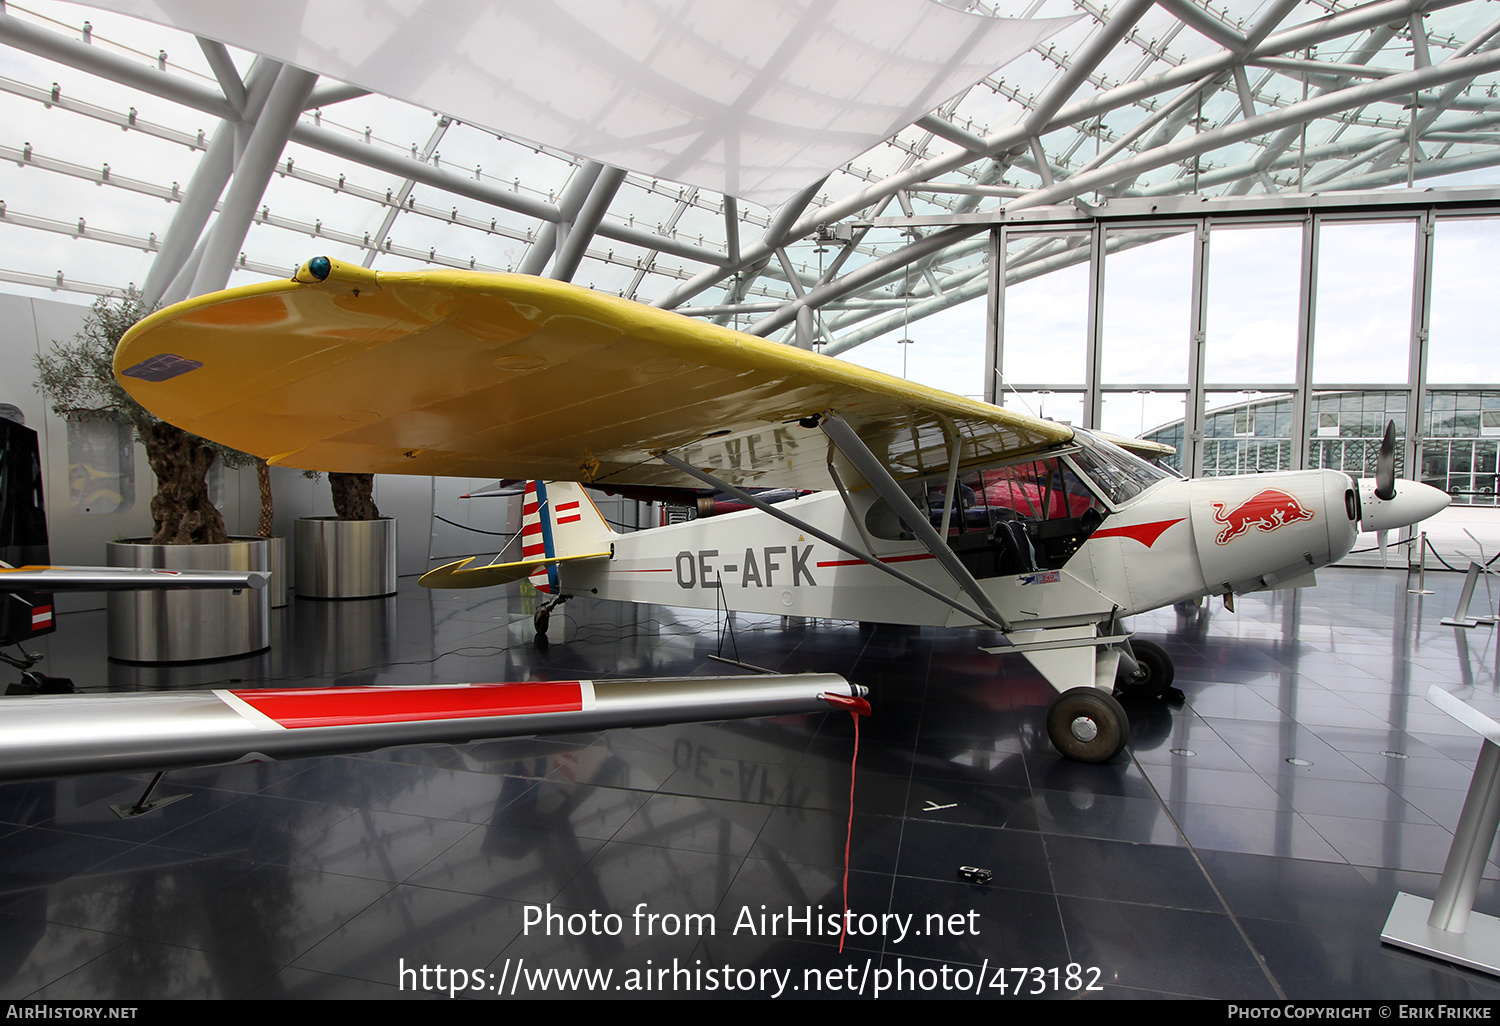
<point>167,626</point>
<point>345,559</point>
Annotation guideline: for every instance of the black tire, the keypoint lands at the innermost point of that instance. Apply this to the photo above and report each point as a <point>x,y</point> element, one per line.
<point>540,620</point>
<point>1088,725</point>
<point>1154,676</point>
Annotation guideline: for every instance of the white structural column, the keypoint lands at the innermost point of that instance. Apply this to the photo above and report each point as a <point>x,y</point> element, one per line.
<point>1191,460</point>
<point>568,204</point>
<point>994,321</point>
<point>268,139</point>
<point>571,249</point>
<point>1421,334</point>
<point>1093,369</point>
<point>204,188</point>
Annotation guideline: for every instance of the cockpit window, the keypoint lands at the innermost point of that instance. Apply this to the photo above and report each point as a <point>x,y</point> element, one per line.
<point>1040,490</point>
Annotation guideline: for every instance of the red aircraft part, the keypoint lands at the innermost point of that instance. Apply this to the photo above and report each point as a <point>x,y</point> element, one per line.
<point>42,737</point>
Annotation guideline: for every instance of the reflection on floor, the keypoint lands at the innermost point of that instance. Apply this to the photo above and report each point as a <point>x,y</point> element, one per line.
<point>1249,845</point>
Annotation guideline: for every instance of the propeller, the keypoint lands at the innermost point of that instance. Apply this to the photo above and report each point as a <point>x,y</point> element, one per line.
<point>1382,507</point>
<point>1385,480</point>
<point>1385,465</point>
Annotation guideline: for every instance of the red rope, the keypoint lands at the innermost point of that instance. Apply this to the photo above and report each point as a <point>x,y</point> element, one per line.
<point>857,707</point>
<point>849,836</point>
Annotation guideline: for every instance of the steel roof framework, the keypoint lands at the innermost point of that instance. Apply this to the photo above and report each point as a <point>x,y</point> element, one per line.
<point>259,165</point>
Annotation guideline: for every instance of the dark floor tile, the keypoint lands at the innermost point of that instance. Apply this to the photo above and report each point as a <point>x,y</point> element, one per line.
<point>1141,946</point>
<point>1146,874</point>
<point>1285,835</point>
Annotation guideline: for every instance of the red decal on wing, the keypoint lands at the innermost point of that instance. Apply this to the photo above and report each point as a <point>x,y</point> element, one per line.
<point>1146,534</point>
<point>340,707</point>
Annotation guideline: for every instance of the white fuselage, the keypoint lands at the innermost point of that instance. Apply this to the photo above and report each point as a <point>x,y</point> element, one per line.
<point>1176,540</point>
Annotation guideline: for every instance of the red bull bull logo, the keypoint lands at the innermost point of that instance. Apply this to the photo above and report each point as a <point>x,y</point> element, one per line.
<point>1267,509</point>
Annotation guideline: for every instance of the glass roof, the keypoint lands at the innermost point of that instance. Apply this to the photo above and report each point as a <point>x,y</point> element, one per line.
<point>109,120</point>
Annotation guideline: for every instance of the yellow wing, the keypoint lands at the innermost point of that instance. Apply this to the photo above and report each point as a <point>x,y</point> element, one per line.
<point>465,374</point>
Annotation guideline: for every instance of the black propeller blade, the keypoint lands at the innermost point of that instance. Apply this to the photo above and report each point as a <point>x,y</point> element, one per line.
<point>1385,465</point>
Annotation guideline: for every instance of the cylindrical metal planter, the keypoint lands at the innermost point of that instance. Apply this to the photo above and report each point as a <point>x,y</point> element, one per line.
<point>280,584</point>
<point>344,559</point>
<point>168,626</point>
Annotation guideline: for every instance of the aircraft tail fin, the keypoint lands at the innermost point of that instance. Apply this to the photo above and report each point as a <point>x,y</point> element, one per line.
<point>558,519</point>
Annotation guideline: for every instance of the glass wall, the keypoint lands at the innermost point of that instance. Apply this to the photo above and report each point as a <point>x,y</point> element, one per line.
<point>1045,329</point>
<point>1461,430</point>
<point>1256,344</point>
<point>1363,328</point>
<point>1247,432</point>
<point>1252,297</point>
<point>1346,430</point>
<point>1148,295</point>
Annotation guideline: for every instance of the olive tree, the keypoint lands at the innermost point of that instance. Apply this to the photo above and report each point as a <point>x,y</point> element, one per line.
<point>78,377</point>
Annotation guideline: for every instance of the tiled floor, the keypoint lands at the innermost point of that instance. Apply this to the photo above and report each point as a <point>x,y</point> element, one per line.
<point>1206,862</point>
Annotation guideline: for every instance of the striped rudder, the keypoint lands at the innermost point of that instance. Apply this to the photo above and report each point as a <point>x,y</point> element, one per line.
<point>559,519</point>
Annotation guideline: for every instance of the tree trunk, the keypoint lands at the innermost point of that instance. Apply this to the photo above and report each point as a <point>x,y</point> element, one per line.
<point>181,507</point>
<point>267,508</point>
<point>353,496</point>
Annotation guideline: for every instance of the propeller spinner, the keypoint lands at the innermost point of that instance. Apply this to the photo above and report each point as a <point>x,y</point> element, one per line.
<point>1383,507</point>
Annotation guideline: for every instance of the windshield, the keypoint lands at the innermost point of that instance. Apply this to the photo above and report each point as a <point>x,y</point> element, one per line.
<point>1118,475</point>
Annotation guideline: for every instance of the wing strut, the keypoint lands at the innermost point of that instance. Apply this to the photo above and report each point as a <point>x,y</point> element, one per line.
<point>859,454</point>
<point>952,494</point>
<point>775,511</point>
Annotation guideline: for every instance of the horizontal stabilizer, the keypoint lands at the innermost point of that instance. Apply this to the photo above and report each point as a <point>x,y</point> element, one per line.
<point>453,575</point>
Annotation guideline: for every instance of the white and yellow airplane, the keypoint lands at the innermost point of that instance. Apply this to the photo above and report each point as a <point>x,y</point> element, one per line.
<point>924,507</point>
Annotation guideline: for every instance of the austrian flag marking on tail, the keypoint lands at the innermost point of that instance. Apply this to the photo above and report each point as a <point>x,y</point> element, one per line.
<point>1267,510</point>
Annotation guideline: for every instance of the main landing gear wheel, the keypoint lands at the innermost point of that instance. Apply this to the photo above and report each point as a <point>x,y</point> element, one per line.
<point>1088,725</point>
<point>1154,676</point>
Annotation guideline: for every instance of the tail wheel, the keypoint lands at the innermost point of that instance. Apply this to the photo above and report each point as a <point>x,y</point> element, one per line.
<point>1154,675</point>
<point>540,619</point>
<point>1088,725</point>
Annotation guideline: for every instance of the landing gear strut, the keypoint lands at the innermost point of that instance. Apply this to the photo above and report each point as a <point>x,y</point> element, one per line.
<point>1088,725</point>
<point>1153,676</point>
<point>543,617</point>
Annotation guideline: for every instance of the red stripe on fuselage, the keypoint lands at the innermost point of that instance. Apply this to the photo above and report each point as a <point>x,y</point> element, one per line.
<point>339,707</point>
<point>883,559</point>
<point>1146,534</point>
